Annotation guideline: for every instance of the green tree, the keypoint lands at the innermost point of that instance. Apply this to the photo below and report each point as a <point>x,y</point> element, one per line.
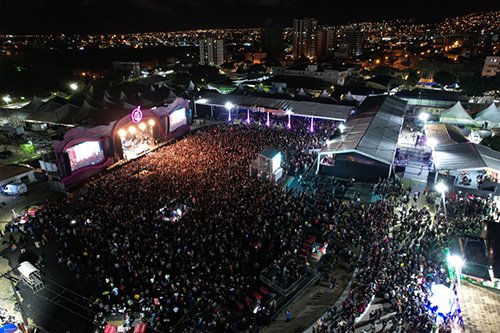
<point>445,77</point>
<point>354,80</point>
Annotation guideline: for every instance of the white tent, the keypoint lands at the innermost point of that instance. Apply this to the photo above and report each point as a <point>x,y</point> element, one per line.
<point>456,115</point>
<point>491,115</point>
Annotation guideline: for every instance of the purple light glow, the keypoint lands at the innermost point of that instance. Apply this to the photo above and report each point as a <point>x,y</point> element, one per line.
<point>268,122</point>
<point>312,125</point>
<point>248,116</point>
<point>289,121</point>
<point>136,115</point>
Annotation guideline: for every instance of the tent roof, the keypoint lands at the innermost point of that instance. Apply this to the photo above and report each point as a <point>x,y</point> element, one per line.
<point>374,132</point>
<point>444,133</point>
<point>35,103</point>
<point>298,108</point>
<point>456,113</point>
<point>466,155</point>
<point>491,113</point>
<point>270,152</point>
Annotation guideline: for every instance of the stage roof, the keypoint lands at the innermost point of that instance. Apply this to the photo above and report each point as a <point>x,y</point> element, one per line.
<point>461,156</point>
<point>374,132</point>
<point>297,108</point>
<point>444,134</point>
<point>270,152</point>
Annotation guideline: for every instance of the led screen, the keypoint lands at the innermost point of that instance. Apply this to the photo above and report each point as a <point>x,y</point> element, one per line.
<point>85,154</point>
<point>177,119</point>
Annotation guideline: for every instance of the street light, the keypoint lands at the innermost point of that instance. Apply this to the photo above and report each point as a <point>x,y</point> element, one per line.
<point>442,188</point>
<point>73,86</point>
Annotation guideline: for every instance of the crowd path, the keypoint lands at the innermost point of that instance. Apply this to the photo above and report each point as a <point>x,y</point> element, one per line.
<point>312,305</point>
<point>480,309</point>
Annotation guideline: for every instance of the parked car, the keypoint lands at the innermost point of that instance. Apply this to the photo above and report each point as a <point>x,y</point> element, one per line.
<point>14,189</point>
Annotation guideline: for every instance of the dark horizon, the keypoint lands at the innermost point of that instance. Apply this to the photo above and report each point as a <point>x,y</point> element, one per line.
<point>126,16</point>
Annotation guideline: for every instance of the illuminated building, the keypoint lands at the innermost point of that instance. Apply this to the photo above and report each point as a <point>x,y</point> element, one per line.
<point>491,66</point>
<point>304,37</point>
<point>211,52</point>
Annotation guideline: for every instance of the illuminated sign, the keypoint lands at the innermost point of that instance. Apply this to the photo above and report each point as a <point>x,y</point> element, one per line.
<point>136,115</point>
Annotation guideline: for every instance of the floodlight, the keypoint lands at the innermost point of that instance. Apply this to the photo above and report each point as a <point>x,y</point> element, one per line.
<point>151,122</point>
<point>142,126</point>
<point>229,105</point>
<point>441,188</point>
<point>455,261</point>
<point>432,143</point>
<point>424,116</point>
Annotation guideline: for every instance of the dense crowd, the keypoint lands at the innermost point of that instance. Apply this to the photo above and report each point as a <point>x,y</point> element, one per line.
<point>401,257</point>
<point>186,274</point>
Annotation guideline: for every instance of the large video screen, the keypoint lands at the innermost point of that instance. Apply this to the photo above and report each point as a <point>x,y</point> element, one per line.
<point>177,119</point>
<point>85,154</point>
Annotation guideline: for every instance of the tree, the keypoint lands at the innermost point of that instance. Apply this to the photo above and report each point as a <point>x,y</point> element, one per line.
<point>445,78</point>
<point>354,80</point>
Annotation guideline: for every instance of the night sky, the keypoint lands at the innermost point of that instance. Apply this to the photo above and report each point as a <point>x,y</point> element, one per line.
<point>94,16</point>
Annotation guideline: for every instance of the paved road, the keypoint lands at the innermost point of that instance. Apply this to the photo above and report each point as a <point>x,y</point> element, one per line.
<point>38,193</point>
<point>480,309</point>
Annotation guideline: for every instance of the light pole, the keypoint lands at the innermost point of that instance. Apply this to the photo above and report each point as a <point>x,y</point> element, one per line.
<point>202,101</point>
<point>442,188</point>
<point>457,263</point>
<point>424,116</point>
<point>229,106</point>
<point>289,113</point>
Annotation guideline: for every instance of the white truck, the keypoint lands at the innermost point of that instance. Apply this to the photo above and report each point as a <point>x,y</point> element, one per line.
<point>14,189</point>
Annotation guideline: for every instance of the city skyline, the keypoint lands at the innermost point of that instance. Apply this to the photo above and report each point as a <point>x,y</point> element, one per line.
<point>92,16</point>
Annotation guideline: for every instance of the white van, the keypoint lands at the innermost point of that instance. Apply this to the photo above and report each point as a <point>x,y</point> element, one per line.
<point>14,189</point>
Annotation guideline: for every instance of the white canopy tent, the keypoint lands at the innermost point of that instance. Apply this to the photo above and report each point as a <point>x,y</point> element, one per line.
<point>490,115</point>
<point>456,115</point>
